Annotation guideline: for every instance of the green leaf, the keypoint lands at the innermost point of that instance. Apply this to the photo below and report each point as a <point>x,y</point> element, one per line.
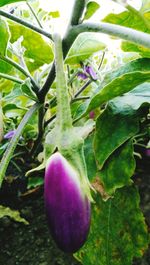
<point>113,127</point>
<point>89,157</point>
<point>85,45</point>
<point>15,215</point>
<point>139,20</point>
<point>91,8</point>
<point>6,2</point>
<point>118,169</point>
<point>13,143</point>
<point>34,182</point>
<point>118,231</point>
<point>36,47</point>
<point>121,81</point>
<point>4,36</point>
<point>27,90</point>
<point>132,101</point>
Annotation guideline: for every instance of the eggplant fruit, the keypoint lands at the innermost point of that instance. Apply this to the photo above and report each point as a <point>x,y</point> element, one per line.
<point>67,207</point>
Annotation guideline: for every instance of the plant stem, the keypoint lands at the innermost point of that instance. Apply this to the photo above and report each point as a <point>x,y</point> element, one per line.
<point>34,14</point>
<point>64,118</point>
<point>37,142</point>
<point>128,34</point>
<point>11,78</point>
<point>82,88</point>
<point>78,9</point>
<point>22,70</point>
<point>25,24</point>
<point>13,143</point>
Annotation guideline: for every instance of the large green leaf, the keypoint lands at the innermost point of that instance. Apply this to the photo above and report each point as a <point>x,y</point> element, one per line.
<point>85,45</point>
<point>118,232</point>
<point>118,169</point>
<point>121,81</point>
<point>4,36</point>
<point>139,20</point>
<point>36,47</point>
<point>6,2</point>
<point>113,128</point>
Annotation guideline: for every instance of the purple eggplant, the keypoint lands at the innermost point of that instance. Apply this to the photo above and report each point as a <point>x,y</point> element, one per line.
<point>67,207</point>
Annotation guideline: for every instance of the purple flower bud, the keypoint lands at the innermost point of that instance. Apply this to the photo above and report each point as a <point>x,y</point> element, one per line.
<point>89,70</point>
<point>10,134</point>
<point>82,75</point>
<point>147,152</point>
<point>67,207</point>
<point>92,115</point>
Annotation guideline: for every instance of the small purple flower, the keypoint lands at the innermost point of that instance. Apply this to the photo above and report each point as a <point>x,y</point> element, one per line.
<point>10,134</point>
<point>67,207</point>
<point>89,70</point>
<point>82,75</point>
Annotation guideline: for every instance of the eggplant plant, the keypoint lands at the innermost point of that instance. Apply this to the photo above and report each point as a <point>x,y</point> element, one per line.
<point>68,105</point>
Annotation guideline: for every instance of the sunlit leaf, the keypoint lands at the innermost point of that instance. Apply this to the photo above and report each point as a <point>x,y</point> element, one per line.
<point>15,215</point>
<point>118,231</point>
<point>91,8</point>
<point>139,20</point>
<point>36,47</point>
<point>85,45</point>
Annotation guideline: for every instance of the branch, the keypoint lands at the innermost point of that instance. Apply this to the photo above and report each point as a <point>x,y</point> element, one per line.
<point>34,14</point>
<point>128,34</point>
<point>22,70</point>
<point>25,24</point>
<point>78,9</point>
<point>11,78</point>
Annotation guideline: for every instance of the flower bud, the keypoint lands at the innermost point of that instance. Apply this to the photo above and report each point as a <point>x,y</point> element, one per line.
<point>67,207</point>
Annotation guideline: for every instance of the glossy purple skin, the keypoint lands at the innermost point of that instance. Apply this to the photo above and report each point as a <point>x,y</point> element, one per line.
<point>67,208</point>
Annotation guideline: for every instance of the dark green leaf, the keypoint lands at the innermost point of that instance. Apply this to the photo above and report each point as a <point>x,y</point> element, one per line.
<point>122,81</point>
<point>118,169</point>
<point>118,232</point>
<point>90,158</point>
<point>113,127</point>
<point>91,8</point>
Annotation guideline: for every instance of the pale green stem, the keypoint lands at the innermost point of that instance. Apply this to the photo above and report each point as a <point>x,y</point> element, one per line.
<point>11,78</point>
<point>34,14</point>
<point>63,103</point>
